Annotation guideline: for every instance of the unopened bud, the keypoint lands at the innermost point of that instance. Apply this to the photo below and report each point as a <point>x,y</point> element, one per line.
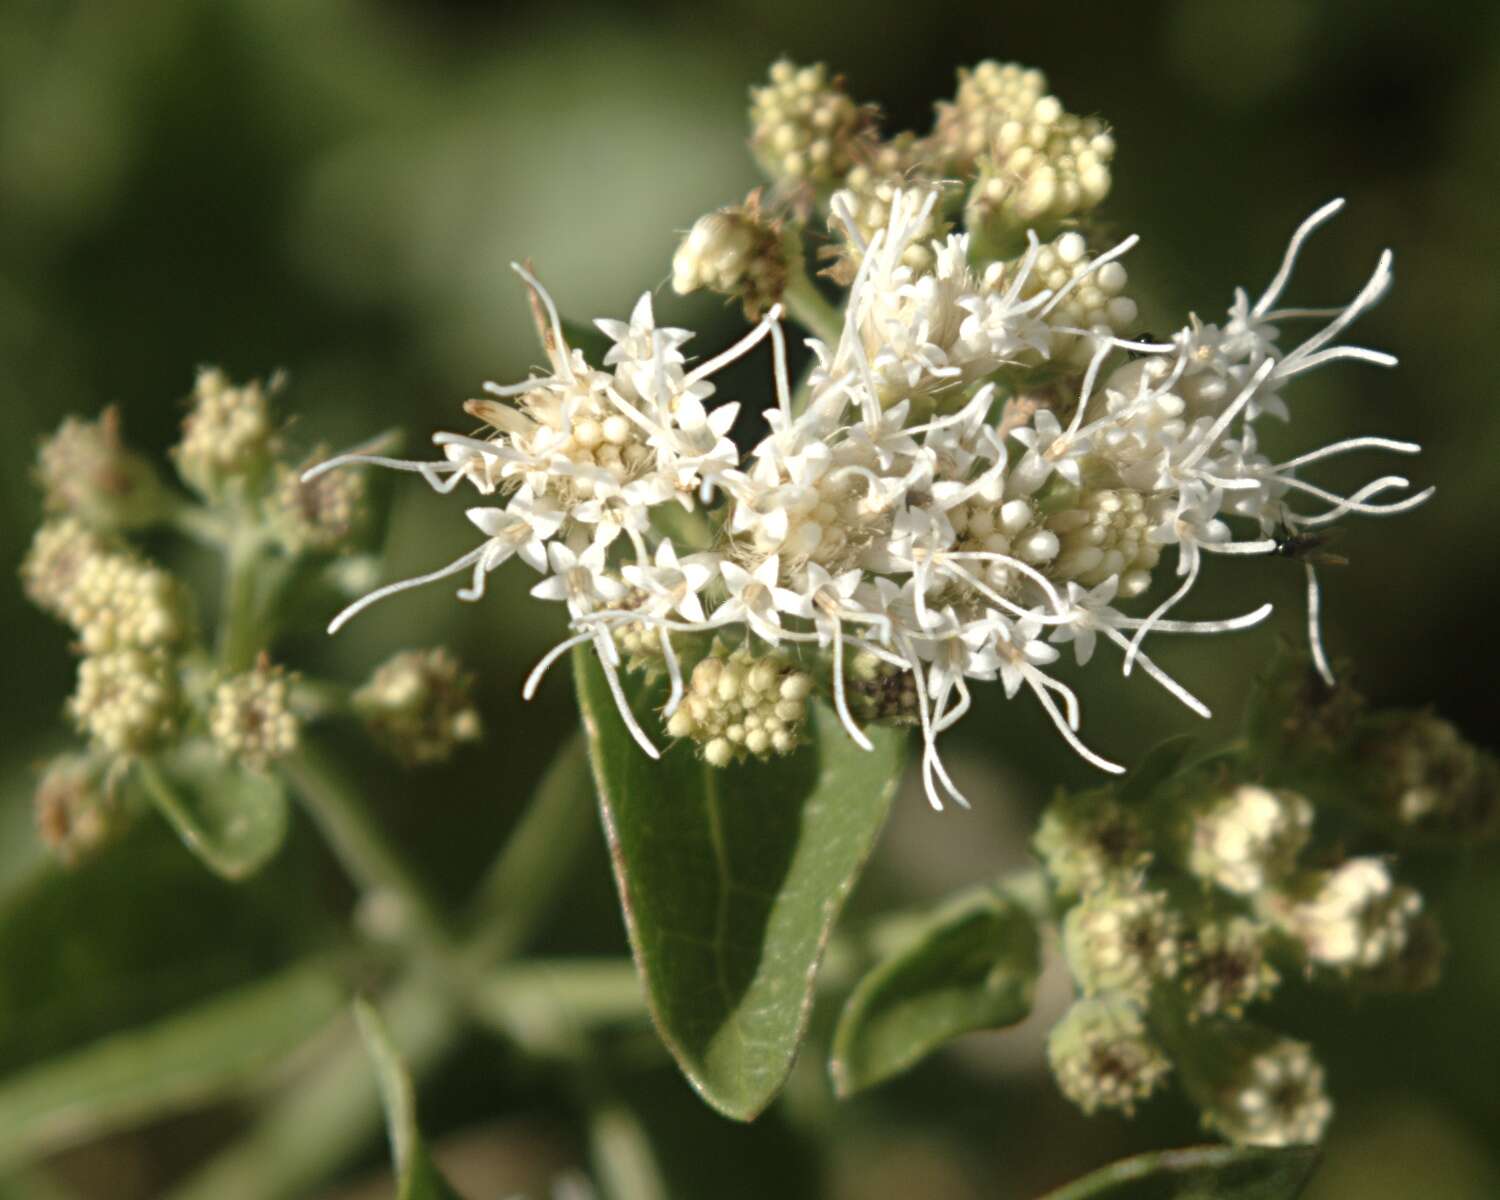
<point>1122,941</point>
<point>1352,917</point>
<point>250,717</point>
<point>737,252</point>
<point>1420,771</point>
<point>1246,839</point>
<point>76,814</point>
<point>126,700</point>
<point>320,515</point>
<point>419,706</point>
<point>804,127</point>
<point>739,703</point>
<point>1255,1087</point>
<point>1103,1055</point>
<point>1087,840</point>
<point>86,470</point>
<point>228,435</point>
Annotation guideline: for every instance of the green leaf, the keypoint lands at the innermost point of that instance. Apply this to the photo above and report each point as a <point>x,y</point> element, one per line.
<point>731,881</point>
<point>163,1067</point>
<point>1157,766</point>
<point>417,1176</point>
<point>972,965</point>
<point>1198,1173</point>
<point>233,819</point>
<point>139,932</point>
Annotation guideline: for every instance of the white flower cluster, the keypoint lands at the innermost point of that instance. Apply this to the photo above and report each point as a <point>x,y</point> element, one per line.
<point>914,505</point>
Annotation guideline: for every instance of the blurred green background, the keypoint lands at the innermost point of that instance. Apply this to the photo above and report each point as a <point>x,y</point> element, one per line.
<point>336,188</point>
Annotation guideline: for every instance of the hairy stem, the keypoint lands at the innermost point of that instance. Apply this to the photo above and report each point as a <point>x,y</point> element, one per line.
<point>808,307</point>
<point>240,637</point>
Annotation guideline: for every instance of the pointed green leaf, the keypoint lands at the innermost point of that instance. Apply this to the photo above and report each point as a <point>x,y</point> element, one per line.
<point>731,881</point>
<point>231,818</point>
<point>417,1177</point>
<point>162,1067</point>
<point>1198,1173</point>
<point>139,932</point>
<point>972,965</point>
<point>1158,765</point>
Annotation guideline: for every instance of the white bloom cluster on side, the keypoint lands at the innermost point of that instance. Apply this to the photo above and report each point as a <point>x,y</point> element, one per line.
<point>1247,838</point>
<point>1354,917</point>
<point>909,510</point>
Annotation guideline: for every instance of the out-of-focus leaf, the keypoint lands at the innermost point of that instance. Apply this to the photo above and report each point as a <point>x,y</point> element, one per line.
<point>1158,765</point>
<point>1198,1173</point>
<point>233,819</point>
<point>731,881</point>
<point>973,965</point>
<point>162,1067</point>
<point>140,931</point>
<point>417,1177</point>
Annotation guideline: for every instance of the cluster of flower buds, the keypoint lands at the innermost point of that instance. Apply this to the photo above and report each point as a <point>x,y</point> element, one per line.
<point>740,703</point>
<point>147,683</point>
<point>1186,900</point>
<point>77,810</point>
<point>250,716</point>
<point>738,252</point>
<point>419,706</point>
<point>86,470</point>
<point>805,128</point>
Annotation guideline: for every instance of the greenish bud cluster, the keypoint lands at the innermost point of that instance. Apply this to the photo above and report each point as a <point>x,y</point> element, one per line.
<point>1224,967</point>
<point>805,129</point>
<point>76,813</point>
<point>1122,940</point>
<point>126,701</point>
<point>739,703</point>
<point>419,706</point>
<point>250,717</point>
<point>85,470</point>
<point>1421,772</point>
<point>1254,1086</point>
<point>228,435</point>
<point>1088,841</point>
<point>1103,1055</point>
<point>739,251</point>
<point>1187,892</point>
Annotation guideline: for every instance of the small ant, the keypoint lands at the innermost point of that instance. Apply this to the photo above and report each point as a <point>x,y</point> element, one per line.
<point>1306,547</point>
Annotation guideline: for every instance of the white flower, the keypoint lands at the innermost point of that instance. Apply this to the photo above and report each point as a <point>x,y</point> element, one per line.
<point>931,504</point>
<point>673,584</point>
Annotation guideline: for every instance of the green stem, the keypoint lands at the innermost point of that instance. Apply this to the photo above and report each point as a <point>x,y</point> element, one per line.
<point>545,1006</point>
<point>808,307</point>
<point>197,523</point>
<point>536,862</point>
<point>624,1164</point>
<point>333,802</point>
<point>239,636</point>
